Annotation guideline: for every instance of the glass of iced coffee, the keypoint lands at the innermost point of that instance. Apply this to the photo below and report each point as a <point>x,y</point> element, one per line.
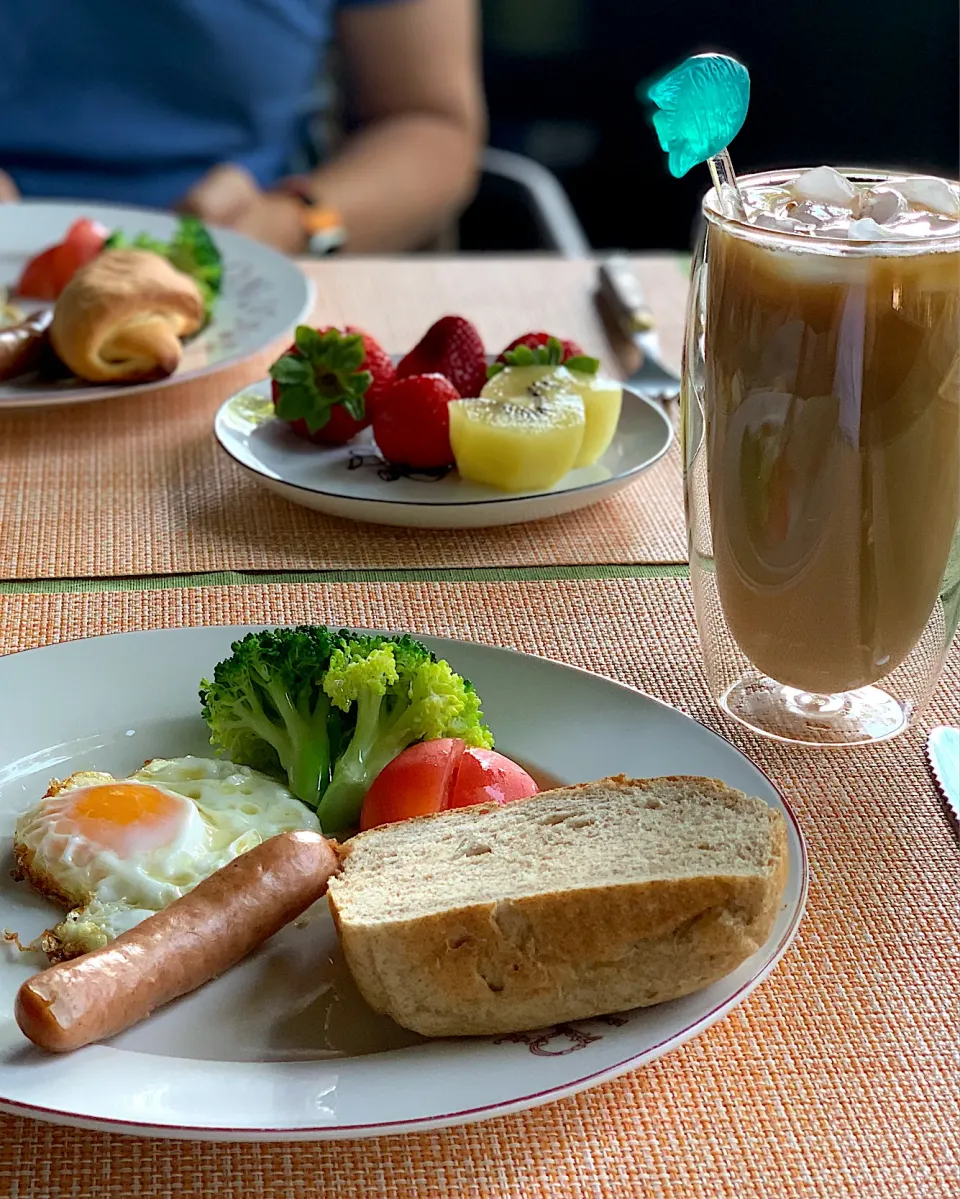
<point>821,434</point>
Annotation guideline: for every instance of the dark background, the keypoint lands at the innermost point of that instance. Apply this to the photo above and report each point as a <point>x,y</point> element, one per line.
<point>870,83</point>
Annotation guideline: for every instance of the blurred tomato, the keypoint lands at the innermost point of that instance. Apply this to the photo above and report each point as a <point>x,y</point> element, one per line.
<point>436,775</point>
<point>45,276</point>
<point>83,243</point>
<point>41,276</point>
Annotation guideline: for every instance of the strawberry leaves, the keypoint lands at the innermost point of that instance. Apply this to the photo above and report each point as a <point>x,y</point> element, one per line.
<point>550,354</point>
<point>319,372</point>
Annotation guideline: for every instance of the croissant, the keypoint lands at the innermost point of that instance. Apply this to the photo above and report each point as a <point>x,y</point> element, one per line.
<point>121,317</point>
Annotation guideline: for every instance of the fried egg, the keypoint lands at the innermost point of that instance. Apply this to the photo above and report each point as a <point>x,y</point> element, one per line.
<point>117,850</point>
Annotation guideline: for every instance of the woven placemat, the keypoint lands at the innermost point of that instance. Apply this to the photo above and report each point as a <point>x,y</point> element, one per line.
<point>138,486</point>
<point>838,1077</point>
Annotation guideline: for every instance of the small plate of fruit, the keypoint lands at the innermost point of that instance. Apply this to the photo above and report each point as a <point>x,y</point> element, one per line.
<point>445,437</point>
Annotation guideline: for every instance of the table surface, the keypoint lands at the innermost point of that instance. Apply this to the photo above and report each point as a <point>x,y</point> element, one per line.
<point>144,489</point>
<point>838,1077</point>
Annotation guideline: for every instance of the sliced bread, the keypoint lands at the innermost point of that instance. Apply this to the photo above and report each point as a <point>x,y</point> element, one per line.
<point>578,902</point>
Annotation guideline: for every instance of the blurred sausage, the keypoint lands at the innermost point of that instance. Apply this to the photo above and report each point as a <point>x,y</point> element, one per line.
<point>175,951</point>
<point>21,346</point>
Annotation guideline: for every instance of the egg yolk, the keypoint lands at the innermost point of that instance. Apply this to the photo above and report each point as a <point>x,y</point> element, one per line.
<point>126,817</point>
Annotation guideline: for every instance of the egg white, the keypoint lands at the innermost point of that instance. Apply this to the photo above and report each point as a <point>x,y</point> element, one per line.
<point>82,870</point>
<point>234,801</point>
<point>226,810</point>
<point>94,926</point>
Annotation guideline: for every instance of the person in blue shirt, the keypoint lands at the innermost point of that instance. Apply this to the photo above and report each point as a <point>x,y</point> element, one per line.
<point>210,106</point>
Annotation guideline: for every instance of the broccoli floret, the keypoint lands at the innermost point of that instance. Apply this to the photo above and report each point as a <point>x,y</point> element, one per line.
<point>399,693</point>
<point>118,240</point>
<point>192,251</point>
<point>266,707</point>
<point>327,711</point>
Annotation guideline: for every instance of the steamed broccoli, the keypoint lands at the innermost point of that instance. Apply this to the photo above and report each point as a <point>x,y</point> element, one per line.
<point>329,710</point>
<point>266,707</point>
<point>118,240</point>
<point>192,250</point>
<point>398,693</point>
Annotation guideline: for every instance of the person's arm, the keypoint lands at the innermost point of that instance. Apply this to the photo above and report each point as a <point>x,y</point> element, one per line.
<point>414,78</point>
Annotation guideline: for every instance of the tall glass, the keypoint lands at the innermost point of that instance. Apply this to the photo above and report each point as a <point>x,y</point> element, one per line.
<point>821,440</point>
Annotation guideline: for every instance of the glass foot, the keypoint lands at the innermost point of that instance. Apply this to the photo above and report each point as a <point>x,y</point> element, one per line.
<point>786,714</point>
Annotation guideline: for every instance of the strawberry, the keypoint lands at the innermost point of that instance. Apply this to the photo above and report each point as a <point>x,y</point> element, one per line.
<point>542,349</point>
<point>328,383</point>
<point>412,424</point>
<point>451,347</point>
<point>569,349</point>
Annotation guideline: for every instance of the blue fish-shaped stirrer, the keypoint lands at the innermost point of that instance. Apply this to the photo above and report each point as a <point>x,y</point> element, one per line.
<point>701,107</point>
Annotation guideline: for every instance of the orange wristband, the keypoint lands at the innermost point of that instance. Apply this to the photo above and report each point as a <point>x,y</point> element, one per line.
<point>322,224</point>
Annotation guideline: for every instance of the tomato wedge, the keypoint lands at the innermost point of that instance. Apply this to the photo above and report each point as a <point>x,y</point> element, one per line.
<point>436,775</point>
<point>41,276</point>
<point>46,275</point>
<point>485,776</point>
<point>83,243</point>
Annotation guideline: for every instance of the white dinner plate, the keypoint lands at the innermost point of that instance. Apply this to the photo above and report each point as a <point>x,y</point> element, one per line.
<point>264,295</point>
<point>282,1047</point>
<point>353,480</point>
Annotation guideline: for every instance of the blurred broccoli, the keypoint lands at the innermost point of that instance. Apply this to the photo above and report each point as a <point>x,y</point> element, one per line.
<point>192,251</point>
<point>118,240</point>
<point>329,710</point>
<point>398,693</point>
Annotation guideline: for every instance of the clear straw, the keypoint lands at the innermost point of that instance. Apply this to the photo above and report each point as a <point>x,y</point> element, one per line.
<point>725,182</point>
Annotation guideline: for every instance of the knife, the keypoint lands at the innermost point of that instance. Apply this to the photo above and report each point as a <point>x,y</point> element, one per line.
<point>620,291</point>
<point>943,751</point>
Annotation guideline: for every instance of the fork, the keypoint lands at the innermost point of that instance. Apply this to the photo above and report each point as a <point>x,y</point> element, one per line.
<point>620,290</point>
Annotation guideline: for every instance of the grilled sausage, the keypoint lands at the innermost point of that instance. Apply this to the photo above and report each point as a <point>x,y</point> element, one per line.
<point>199,936</point>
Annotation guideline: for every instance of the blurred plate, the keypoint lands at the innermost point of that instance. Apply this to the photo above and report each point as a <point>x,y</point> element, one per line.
<point>353,481</point>
<point>264,295</point>
<point>282,1047</point>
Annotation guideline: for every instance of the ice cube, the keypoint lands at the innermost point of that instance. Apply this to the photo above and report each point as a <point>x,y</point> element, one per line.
<point>766,220</point>
<point>865,229</point>
<point>812,213</point>
<point>883,204</point>
<point>824,185</point>
<point>936,195</point>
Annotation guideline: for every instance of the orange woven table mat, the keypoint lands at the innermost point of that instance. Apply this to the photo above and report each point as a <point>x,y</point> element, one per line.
<point>138,485</point>
<point>838,1077</point>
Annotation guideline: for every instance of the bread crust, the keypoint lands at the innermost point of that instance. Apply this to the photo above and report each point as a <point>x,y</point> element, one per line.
<point>532,961</point>
<point>121,317</point>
